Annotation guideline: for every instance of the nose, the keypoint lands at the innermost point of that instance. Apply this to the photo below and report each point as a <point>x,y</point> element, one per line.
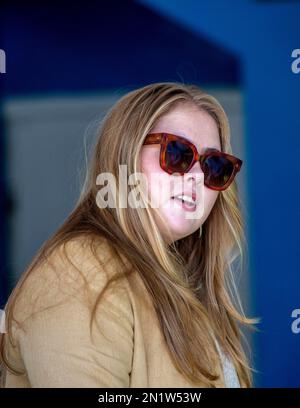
<point>195,173</point>
<point>196,169</point>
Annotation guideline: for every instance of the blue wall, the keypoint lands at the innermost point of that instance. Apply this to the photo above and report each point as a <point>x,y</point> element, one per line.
<point>4,273</point>
<point>92,46</point>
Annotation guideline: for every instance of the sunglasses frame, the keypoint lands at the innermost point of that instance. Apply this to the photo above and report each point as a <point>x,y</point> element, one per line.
<point>164,138</point>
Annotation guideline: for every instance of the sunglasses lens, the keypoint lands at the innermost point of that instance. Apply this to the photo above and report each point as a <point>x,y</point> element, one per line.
<point>217,170</point>
<point>178,156</point>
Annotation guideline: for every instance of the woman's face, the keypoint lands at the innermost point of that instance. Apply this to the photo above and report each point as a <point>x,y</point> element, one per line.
<point>200,128</point>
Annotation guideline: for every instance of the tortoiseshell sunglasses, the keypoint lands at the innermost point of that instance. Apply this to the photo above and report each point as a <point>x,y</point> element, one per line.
<point>178,155</point>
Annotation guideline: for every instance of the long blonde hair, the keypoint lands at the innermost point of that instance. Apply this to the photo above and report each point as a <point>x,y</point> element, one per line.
<point>190,281</point>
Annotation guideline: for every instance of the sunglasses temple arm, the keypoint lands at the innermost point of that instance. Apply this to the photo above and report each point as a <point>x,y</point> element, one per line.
<point>153,138</point>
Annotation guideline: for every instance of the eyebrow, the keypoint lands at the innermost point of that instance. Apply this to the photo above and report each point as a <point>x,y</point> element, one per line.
<point>205,148</point>
<point>212,148</point>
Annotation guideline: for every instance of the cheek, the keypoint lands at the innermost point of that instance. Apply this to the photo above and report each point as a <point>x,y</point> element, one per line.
<point>158,181</point>
<point>149,160</point>
<point>210,198</point>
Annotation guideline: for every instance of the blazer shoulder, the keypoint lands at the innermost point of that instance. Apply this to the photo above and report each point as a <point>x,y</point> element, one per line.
<point>75,269</point>
<point>57,346</point>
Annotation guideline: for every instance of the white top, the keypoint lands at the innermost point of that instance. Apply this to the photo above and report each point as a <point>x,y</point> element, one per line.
<point>230,375</point>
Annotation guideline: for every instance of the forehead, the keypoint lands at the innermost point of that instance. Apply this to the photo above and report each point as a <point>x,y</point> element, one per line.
<point>191,122</point>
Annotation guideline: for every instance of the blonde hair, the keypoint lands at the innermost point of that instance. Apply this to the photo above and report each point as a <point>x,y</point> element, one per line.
<point>190,281</point>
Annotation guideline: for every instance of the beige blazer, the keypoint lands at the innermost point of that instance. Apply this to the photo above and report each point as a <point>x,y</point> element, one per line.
<point>54,346</point>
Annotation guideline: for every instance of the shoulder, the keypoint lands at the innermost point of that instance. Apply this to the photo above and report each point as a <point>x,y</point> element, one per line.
<point>60,340</point>
<point>75,271</point>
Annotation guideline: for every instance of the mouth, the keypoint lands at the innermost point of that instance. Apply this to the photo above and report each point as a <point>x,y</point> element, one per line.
<point>188,202</point>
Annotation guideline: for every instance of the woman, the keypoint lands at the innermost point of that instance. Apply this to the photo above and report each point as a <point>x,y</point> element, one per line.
<point>139,296</point>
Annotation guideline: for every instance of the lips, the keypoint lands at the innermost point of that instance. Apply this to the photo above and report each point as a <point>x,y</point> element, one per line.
<point>186,202</point>
<point>189,198</point>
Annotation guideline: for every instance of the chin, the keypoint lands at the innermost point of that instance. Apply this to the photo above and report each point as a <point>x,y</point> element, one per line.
<point>182,233</point>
